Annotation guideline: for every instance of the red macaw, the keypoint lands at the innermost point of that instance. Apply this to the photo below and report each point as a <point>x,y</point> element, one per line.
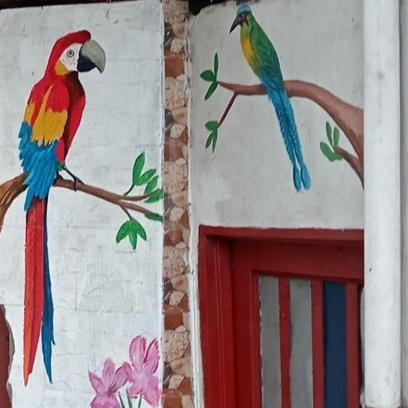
<point>51,119</point>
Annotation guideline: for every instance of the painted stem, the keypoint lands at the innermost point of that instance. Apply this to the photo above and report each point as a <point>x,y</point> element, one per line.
<point>348,117</point>
<point>227,109</point>
<point>11,189</point>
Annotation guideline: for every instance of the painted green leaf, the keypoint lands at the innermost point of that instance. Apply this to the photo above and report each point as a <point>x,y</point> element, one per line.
<point>208,76</point>
<point>155,196</point>
<point>129,400</point>
<point>209,140</point>
<point>123,232</point>
<point>151,185</point>
<point>212,125</point>
<point>133,238</point>
<point>336,137</point>
<point>329,133</point>
<point>145,177</point>
<point>138,167</point>
<point>140,231</point>
<point>211,90</point>
<point>327,151</point>
<point>154,217</point>
<point>216,65</point>
<point>122,404</point>
<point>214,140</point>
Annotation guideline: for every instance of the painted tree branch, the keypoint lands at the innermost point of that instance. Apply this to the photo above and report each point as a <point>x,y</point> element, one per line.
<point>11,189</point>
<point>348,117</point>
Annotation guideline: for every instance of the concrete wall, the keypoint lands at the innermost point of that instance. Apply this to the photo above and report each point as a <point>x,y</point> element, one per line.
<point>104,293</point>
<point>248,180</point>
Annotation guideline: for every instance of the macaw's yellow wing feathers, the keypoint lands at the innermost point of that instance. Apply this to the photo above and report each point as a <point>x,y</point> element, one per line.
<point>51,118</point>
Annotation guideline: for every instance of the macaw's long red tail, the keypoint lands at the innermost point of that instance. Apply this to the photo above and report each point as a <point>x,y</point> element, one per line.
<point>38,307</point>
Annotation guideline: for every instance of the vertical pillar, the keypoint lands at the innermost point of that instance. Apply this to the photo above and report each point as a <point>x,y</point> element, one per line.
<point>382,204</point>
<point>404,197</point>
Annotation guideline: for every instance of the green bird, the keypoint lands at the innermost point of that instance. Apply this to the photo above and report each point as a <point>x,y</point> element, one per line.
<point>263,59</point>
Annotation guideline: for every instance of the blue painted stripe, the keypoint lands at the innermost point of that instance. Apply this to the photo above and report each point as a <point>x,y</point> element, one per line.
<point>335,345</point>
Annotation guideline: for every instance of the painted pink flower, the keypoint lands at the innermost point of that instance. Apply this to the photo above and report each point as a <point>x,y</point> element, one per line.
<point>107,386</point>
<point>141,374</point>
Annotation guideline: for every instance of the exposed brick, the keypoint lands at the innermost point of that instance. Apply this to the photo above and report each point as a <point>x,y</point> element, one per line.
<point>175,381</point>
<point>187,401</point>
<point>173,236</point>
<point>179,29</point>
<point>184,304</point>
<point>175,345</point>
<point>172,399</point>
<point>175,10</point>
<point>186,387</point>
<point>180,115</point>
<point>176,297</point>
<point>173,318</point>
<point>174,65</point>
<point>174,262</point>
<point>182,366</point>
<point>180,283</point>
<point>180,199</point>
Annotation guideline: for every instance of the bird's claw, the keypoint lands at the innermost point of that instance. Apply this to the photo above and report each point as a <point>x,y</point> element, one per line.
<point>77,181</point>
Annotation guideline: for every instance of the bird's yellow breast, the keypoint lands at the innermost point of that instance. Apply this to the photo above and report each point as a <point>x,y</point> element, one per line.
<point>247,49</point>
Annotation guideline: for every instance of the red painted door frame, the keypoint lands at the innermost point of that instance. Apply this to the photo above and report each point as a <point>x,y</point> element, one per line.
<point>4,361</point>
<point>229,348</point>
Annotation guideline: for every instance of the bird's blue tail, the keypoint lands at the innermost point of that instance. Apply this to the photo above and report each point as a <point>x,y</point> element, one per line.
<point>288,128</point>
<point>47,329</point>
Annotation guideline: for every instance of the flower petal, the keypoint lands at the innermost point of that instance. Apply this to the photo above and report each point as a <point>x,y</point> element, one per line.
<point>137,352</point>
<point>119,379</point>
<point>151,392</point>
<point>108,373</point>
<point>105,402</point>
<point>136,389</point>
<point>96,383</point>
<point>129,372</point>
<point>152,357</point>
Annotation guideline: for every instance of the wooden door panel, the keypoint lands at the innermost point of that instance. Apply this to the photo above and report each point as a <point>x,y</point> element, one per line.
<point>231,262</point>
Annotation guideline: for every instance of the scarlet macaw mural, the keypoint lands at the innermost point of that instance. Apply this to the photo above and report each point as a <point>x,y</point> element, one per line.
<point>50,123</point>
<point>51,120</point>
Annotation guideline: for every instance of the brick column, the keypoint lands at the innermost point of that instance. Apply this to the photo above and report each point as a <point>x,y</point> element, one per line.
<point>177,387</point>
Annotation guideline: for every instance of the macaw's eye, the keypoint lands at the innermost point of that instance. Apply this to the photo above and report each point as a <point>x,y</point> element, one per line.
<point>70,53</point>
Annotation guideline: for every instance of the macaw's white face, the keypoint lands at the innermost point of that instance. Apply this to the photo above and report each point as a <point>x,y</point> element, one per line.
<point>69,58</point>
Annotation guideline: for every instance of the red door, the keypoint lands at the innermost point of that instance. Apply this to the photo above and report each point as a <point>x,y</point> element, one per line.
<point>234,265</point>
<point>4,361</point>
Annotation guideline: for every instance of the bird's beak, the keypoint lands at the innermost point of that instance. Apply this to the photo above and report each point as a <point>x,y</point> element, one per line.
<point>91,55</point>
<point>236,23</point>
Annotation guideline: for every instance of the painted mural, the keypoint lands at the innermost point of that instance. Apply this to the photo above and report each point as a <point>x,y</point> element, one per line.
<point>51,120</point>
<point>139,374</point>
<point>262,57</point>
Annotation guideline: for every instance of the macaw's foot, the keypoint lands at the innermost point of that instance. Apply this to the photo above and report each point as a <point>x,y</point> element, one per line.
<point>76,180</point>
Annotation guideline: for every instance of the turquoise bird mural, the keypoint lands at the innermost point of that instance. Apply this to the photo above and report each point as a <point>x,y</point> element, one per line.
<point>263,59</point>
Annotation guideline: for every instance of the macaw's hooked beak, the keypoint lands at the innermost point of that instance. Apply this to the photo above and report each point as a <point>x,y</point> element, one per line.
<point>91,55</point>
<point>235,24</point>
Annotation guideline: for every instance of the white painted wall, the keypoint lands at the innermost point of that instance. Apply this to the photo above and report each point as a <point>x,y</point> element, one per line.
<point>248,181</point>
<point>104,293</point>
